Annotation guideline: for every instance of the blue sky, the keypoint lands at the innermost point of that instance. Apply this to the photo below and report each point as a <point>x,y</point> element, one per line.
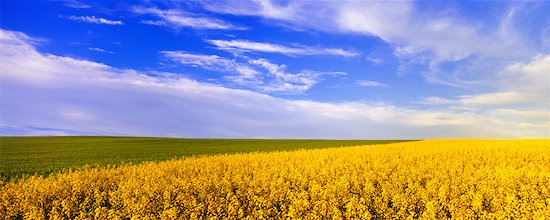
<point>272,69</point>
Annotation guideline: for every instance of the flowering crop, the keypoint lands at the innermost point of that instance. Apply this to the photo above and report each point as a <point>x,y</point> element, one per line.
<point>20,156</point>
<point>423,179</point>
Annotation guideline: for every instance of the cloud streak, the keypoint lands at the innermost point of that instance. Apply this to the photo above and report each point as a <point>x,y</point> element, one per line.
<point>76,4</point>
<point>298,50</point>
<point>367,83</point>
<point>93,20</point>
<point>176,19</point>
<point>100,50</point>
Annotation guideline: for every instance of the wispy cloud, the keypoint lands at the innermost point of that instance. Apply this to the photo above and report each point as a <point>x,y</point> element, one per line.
<point>520,97</point>
<point>401,24</point>
<point>495,98</point>
<point>375,60</point>
<point>86,97</point>
<point>448,47</point>
<point>433,100</point>
<point>289,11</point>
<point>482,99</point>
<point>411,34</point>
<point>259,74</point>
<point>530,113</point>
<point>93,20</point>
<point>76,4</point>
<point>367,83</point>
<point>211,62</point>
<point>282,81</point>
<point>176,19</point>
<point>511,88</point>
<point>251,46</point>
<point>100,50</point>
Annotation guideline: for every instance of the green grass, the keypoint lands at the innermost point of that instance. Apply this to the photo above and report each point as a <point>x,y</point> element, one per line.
<point>21,156</point>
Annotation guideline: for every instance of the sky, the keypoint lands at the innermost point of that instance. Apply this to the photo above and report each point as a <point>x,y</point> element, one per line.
<point>276,69</point>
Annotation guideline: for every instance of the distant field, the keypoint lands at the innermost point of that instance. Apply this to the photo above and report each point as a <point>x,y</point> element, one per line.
<point>44,155</point>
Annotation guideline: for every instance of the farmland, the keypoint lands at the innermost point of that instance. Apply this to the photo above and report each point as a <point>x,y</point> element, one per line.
<point>44,155</point>
<point>422,179</point>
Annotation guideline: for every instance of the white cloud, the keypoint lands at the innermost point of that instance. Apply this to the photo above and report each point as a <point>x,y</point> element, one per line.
<point>250,46</point>
<point>76,4</point>
<point>100,50</point>
<point>367,83</point>
<point>375,60</point>
<point>283,81</point>
<point>397,23</point>
<point>453,49</point>
<point>432,100</point>
<point>244,73</point>
<point>268,9</point>
<point>495,98</point>
<point>532,77</point>
<point>521,98</point>
<point>174,18</point>
<point>63,95</point>
<point>540,115</point>
<point>93,20</point>
<point>410,31</point>
<point>443,36</point>
<point>442,45</point>
<point>505,98</point>
<point>259,74</point>
<point>449,48</point>
<point>211,62</point>
<point>518,84</point>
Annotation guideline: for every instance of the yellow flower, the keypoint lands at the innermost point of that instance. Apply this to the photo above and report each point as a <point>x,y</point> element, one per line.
<point>424,179</point>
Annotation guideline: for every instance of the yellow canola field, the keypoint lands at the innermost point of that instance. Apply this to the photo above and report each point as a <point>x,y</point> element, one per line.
<point>424,179</point>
